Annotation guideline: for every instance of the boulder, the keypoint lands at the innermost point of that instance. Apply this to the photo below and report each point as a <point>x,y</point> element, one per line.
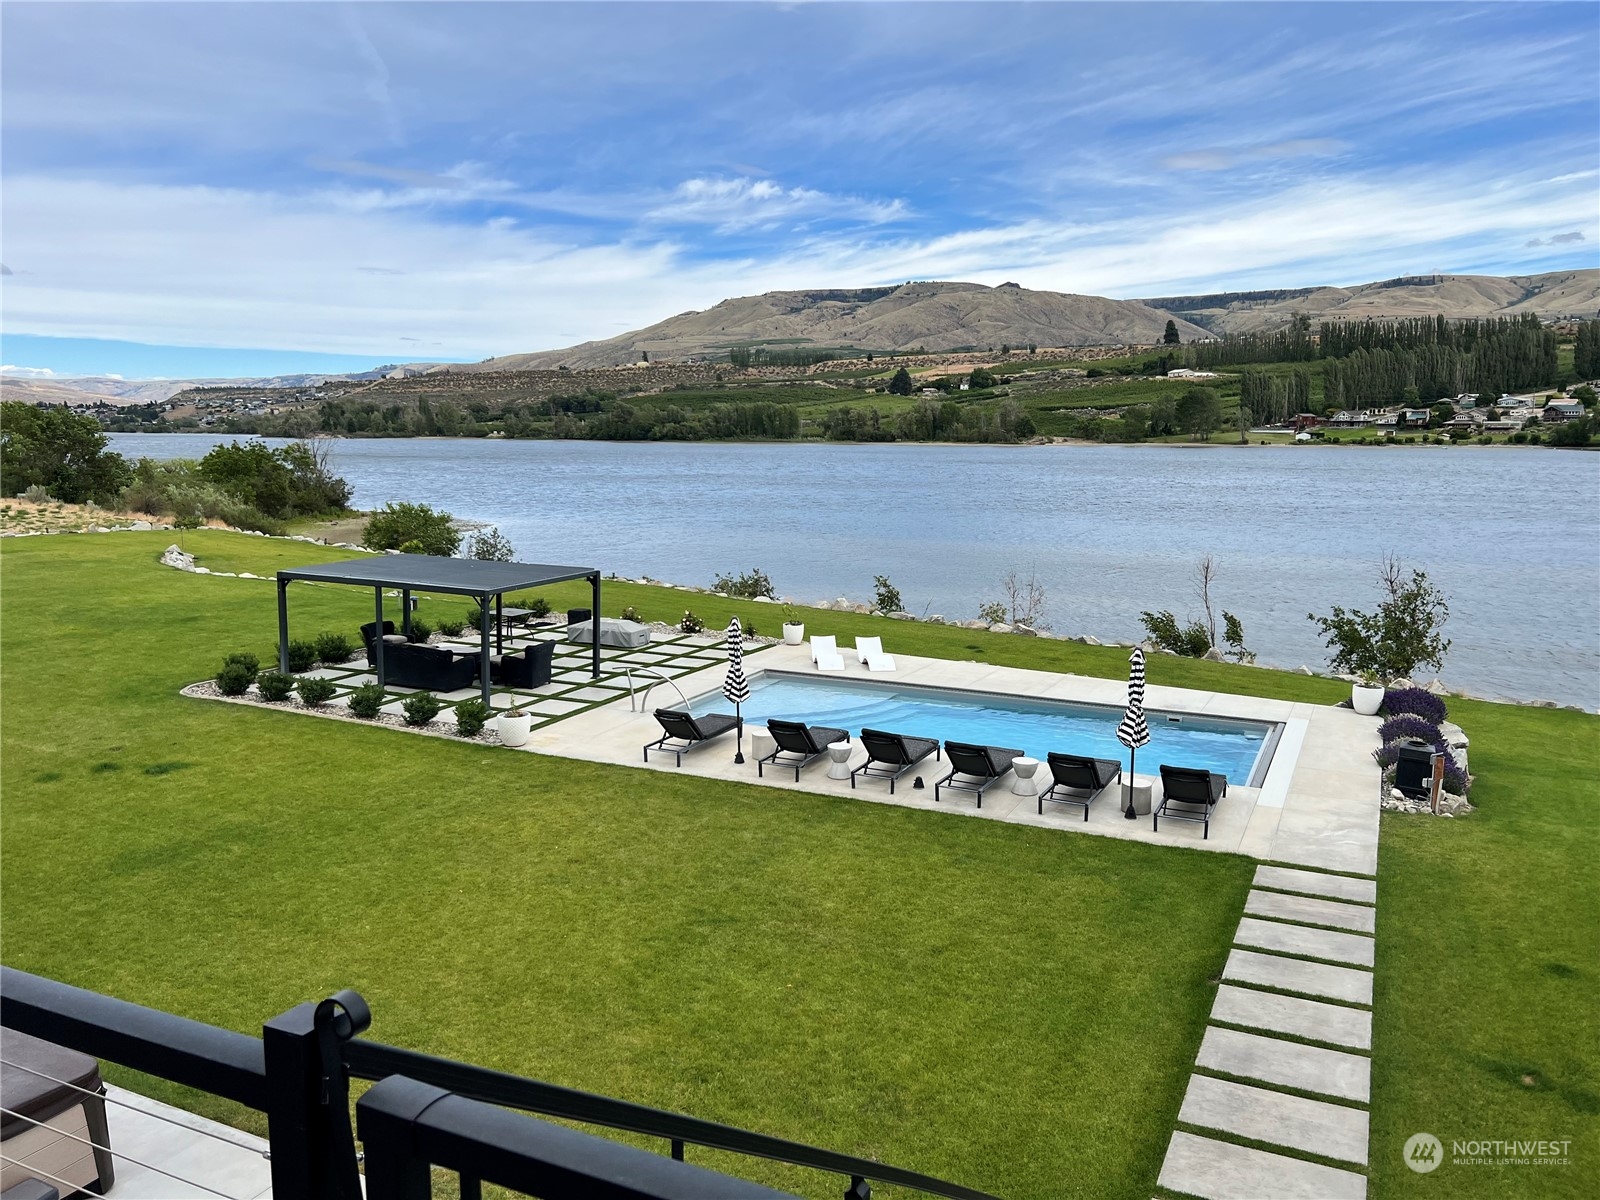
<point>1305,670</point>
<point>1025,630</point>
<point>248,575</point>
<point>763,599</point>
<point>1398,684</point>
<point>1213,655</point>
<point>863,609</point>
<point>901,616</point>
<point>936,619</point>
<point>1089,639</point>
<point>141,525</point>
<point>975,623</point>
<point>1002,627</point>
<point>1437,687</point>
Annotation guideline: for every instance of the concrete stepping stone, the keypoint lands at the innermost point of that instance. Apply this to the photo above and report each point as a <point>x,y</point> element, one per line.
<point>1308,943</point>
<point>1312,911</point>
<point>1199,1166</point>
<point>1315,1126</point>
<point>1288,1064</point>
<point>1314,883</point>
<point>1297,975</point>
<point>1289,1014</point>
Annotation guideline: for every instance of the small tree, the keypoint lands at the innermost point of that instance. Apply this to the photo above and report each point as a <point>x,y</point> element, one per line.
<point>886,596</point>
<point>399,526</point>
<point>901,384</point>
<point>981,378</point>
<point>1404,633</point>
<point>1025,598</point>
<point>1170,337</point>
<point>1199,412</point>
<point>490,545</point>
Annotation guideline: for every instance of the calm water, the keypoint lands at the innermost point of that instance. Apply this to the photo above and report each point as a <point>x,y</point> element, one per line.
<point>1227,747</point>
<point>1511,535</point>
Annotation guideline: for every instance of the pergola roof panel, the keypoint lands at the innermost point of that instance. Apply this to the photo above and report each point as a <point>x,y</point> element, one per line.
<point>431,573</point>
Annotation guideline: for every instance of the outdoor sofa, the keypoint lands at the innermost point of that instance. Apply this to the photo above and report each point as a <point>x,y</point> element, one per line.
<point>975,768</point>
<point>891,755</point>
<point>1195,789</point>
<point>685,733</point>
<point>1074,773</point>
<point>411,664</point>
<point>798,745</point>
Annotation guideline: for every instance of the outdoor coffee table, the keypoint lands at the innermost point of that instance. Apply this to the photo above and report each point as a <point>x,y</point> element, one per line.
<point>1024,769</point>
<point>839,760</point>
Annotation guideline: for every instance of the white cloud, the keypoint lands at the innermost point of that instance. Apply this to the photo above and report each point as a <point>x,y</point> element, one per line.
<point>27,372</point>
<point>740,203</point>
<point>1218,159</point>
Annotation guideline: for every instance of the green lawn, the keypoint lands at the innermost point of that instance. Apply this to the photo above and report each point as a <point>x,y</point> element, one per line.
<point>1012,1008</point>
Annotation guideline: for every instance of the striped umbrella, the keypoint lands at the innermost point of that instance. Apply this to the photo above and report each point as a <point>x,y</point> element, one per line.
<point>1133,731</point>
<point>736,687</point>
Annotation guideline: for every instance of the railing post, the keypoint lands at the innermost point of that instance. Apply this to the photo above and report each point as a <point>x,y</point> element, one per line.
<point>384,1117</point>
<point>859,1189</point>
<point>308,1099</point>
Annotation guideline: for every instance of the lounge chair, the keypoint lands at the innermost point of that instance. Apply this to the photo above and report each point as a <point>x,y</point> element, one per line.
<point>825,653</point>
<point>799,745</point>
<point>1192,787</point>
<point>891,755</point>
<point>870,651</point>
<point>530,669</point>
<point>367,634</point>
<point>1074,773</point>
<point>685,733</point>
<point>983,767</point>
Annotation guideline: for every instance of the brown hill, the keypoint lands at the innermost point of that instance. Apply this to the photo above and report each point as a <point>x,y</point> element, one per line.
<point>938,316</point>
<point>1548,296</point>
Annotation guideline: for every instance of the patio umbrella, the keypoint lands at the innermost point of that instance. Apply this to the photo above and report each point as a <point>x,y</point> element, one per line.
<point>1133,731</point>
<point>736,687</point>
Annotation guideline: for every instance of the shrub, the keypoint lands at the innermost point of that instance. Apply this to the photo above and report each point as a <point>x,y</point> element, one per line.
<point>1191,641</point>
<point>749,628</point>
<point>1408,725</point>
<point>490,545</point>
<point>366,700</point>
<point>1403,633</point>
<point>452,626</point>
<point>334,648</point>
<point>631,614</point>
<point>885,595</point>
<point>993,612</point>
<point>274,686</point>
<point>234,679</point>
<point>37,494</point>
<point>412,529</point>
<point>246,660</point>
<point>691,623</point>
<point>747,586</point>
<point>538,606</point>
<point>1416,701</point>
<point>315,692</point>
<point>412,547</point>
<point>471,716</point>
<point>421,631</point>
<point>421,708</point>
<point>302,656</point>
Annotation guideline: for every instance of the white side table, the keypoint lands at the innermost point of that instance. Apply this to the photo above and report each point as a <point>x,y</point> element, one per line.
<point>839,760</point>
<point>1144,787</point>
<point>1024,770</point>
<point>761,742</point>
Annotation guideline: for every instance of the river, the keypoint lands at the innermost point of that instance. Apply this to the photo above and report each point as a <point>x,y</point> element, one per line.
<point>1511,535</point>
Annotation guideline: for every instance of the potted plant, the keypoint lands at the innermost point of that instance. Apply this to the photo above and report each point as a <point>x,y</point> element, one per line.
<point>1366,694</point>
<point>513,726</point>
<point>794,629</point>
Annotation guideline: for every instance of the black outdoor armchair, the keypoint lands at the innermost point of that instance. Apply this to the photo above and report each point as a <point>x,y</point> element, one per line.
<point>530,669</point>
<point>685,733</point>
<point>798,745</point>
<point>891,755</point>
<point>974,768</point>
<point>367,637</point>
<point>1075,773</point>
<point>1195,789</point>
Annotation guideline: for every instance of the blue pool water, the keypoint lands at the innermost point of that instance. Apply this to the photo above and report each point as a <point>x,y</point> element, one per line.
<point>1229,747</point>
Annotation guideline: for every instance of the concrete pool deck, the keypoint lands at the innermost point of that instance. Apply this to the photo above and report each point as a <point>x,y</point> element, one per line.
<point>1317,807</point>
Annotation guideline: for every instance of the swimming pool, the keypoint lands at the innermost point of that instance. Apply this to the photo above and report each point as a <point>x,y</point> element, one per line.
<point>1239,749</point>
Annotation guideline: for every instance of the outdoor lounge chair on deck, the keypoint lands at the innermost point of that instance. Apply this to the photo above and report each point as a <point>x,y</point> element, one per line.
<point>530,669</point>
<point>1193,787</point>
<point>685,733</point>
<point>869,650</point>
<point>825,654</point>
<point>891,755</point>
<point>1074,773</point>
<point>983,767</point>
<point>801,745</point>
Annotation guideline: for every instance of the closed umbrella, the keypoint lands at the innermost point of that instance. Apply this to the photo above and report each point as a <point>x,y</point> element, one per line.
<point>1133,731</point>
<point>736,687</point>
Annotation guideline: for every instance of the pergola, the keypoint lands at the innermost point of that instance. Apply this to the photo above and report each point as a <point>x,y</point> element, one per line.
<point>429,573</point>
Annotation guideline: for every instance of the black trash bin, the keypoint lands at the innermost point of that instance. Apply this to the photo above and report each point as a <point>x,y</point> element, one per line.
<point>1413,769</point>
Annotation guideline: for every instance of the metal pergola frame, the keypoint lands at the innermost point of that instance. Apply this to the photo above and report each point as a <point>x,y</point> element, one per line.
<point>409,573</point>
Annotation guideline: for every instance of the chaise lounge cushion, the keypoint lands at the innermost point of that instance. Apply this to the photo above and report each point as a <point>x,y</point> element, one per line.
<point>614,631</point>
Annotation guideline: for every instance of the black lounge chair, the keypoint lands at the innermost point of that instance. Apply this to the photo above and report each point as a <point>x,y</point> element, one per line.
<point>1074,773</point>
<point>530,669</point>
<point>686,733</point>
<point>1192,787</point>
<point>891,755</point>
<point>984,766</point>
<point>802,744</point>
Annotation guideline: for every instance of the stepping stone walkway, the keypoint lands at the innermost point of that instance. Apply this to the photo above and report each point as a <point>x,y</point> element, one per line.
<point>1286,1060</point>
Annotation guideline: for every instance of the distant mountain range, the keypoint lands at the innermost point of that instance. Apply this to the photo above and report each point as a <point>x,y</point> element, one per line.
<point>939,316</point>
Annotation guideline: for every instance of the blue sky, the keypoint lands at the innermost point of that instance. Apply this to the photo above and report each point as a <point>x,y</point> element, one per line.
<point>344,185</point>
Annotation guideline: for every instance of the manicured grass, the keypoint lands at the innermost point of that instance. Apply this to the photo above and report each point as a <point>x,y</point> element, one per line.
<point>1010,1007</point>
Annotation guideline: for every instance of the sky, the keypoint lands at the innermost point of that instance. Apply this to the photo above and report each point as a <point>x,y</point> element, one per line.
<point>243,189</point>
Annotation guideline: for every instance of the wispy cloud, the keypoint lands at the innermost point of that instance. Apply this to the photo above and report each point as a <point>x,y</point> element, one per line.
<point>426,180</point>
<point>1219,159</point>
<point>731,204</point>
<point>27,372</point>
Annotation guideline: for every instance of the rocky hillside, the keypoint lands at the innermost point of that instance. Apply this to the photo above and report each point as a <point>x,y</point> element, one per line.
<point>935,316</point>
<point>1556,294</point>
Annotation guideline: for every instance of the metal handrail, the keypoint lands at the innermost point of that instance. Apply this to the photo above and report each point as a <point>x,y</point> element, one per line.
<point>662,677</point>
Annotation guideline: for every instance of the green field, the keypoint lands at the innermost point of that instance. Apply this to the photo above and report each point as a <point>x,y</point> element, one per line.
<point>1013,1008</point>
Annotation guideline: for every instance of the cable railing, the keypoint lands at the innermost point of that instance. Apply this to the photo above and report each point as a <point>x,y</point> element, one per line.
<point>298,1074</point>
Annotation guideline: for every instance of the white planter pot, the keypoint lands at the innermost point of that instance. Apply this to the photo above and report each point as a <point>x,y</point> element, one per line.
<point>513,730</point>
<point>793,635</point>
<point>1366,700</point>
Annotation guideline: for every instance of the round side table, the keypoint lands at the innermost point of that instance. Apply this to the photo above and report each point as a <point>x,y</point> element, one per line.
<point>761,742</point>
<point>839,760</point>
<point>1024,769</point>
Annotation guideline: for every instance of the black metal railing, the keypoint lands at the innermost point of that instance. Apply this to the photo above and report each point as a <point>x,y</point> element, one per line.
<point>298,1074</point>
